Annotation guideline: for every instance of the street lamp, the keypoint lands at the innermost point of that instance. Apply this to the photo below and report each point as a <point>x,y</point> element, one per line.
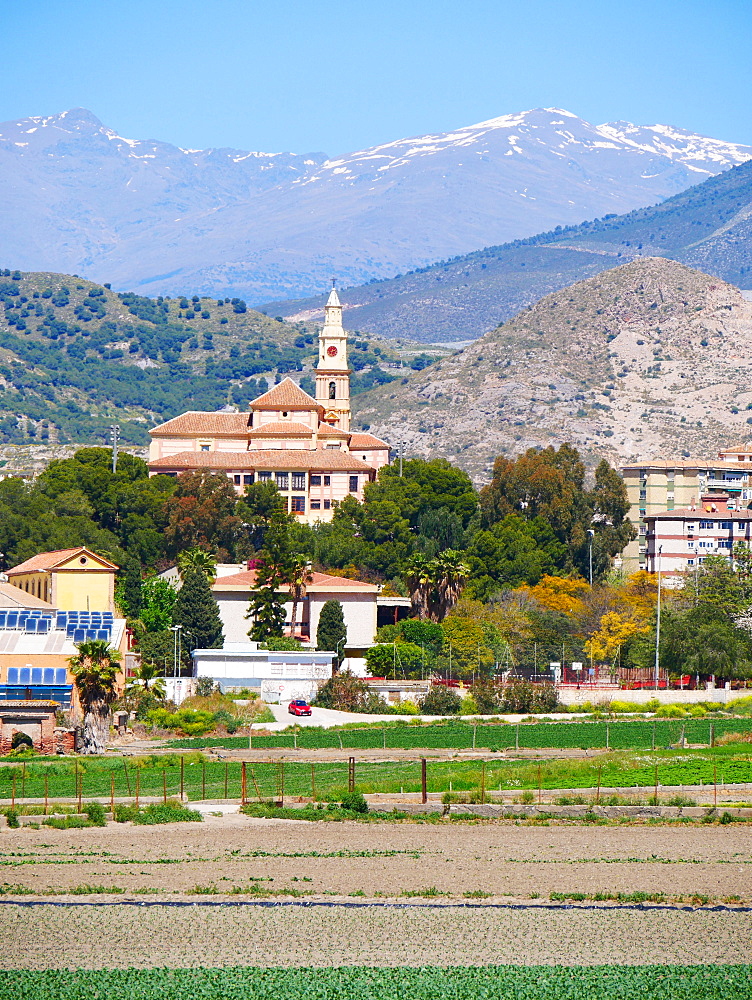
<point>658,622</point>
<point>175,629</point>
<point>592,535</point>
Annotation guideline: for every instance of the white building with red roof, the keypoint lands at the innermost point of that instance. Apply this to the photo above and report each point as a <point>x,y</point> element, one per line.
<point>303,445</point>
<point>678,541</point>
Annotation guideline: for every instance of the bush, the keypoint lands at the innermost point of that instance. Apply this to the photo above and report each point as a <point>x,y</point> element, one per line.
<point>169,812</point>
<point>522,697</point>
<point>21,740</point>
<point>125,814</point>
<point>206,687</point>
<point>11,816</point>
<point>344,692</point>
<point>441,700</point>
<point>354,802</point>
<point>95,812</point>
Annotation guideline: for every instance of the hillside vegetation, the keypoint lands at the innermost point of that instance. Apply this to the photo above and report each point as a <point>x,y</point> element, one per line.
<point>650,358</point>
<point>76,356</point>
<point>707,226</point>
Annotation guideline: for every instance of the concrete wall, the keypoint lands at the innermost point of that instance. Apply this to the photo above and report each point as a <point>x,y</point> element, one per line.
<point>595,695</point>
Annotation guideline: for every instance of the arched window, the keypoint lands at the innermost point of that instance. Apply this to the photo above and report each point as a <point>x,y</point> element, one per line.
<point>332,390</point>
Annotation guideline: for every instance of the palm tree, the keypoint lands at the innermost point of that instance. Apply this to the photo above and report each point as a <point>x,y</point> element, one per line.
<point>418,574</point>
<point>95,668</point>
<point>450,577</point>
<point>298,577</point>
<point>198,559</point>
<point>147,678</point>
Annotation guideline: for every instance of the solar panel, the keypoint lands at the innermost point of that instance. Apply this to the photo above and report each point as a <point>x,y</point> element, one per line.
<point>79,635</point>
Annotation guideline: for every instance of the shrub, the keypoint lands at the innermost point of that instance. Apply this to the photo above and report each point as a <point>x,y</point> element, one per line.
<point>206,687</point>
<point>354,802</point>
<point>522,697</point>
<point>441,700</point>
<point>345,692</point>
<point>12,817</point>
<point>21,740</point>
<point>95,812</point>
<point>125,814</point>
<point>169,812</point>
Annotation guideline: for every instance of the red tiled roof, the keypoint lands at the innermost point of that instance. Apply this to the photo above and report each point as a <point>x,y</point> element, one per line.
<point>366,441</point>
<point>326,430</point>
<point>699,512</point>
<point>321,583</point>
<point>285,396</point>
<point>323,460</point>
<point>282,427</point>
<point>201,422</point>
<point>49,560</point>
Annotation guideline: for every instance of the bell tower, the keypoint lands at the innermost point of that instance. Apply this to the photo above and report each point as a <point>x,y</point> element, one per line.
<point>332,373</point>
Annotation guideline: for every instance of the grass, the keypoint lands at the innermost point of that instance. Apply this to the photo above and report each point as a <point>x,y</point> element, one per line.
<point>657,982</point>
<point>632,773</point>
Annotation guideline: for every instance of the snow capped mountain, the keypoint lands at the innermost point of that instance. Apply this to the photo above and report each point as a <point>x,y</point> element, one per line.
<point>150,216</point>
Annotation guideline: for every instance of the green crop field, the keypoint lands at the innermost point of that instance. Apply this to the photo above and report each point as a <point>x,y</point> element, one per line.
<point>165,776</point>
<point>704,982</point>
<point>630,734</point>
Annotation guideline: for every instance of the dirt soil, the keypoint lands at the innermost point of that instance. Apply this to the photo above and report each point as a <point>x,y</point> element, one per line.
<point>235,854</point>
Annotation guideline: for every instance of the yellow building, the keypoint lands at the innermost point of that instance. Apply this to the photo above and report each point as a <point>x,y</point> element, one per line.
<point>69,579</point>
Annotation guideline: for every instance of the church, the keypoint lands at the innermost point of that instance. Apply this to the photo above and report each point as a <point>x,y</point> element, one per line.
<point>303,445</point>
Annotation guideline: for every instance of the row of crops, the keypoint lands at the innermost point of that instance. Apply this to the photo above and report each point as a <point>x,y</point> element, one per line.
<point>199,779</point>
<point>661,982</point>
<point>632,734</point>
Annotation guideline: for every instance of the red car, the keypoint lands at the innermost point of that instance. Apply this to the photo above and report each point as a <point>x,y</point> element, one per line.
<point>299,707</point>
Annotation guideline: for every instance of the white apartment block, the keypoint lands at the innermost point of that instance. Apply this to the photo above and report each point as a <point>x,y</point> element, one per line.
<point>679,541</point>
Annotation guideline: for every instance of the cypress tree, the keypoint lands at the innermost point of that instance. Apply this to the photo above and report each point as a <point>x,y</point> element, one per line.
<point>197,611</point>
<point>331,632</point>
<point>132,588</point>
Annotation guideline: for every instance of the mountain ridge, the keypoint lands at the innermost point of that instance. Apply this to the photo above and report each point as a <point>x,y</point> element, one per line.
<point>159,219</point>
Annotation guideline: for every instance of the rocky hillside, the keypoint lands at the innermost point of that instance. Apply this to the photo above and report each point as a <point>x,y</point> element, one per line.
<point>650,358</point>
<point>708,226</point>
<point>148,216</point>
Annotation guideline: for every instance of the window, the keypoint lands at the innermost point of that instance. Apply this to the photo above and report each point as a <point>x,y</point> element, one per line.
<point>327,480</point>
<point>315,480</point>
<point>285,414</point>
<point>315,505</point>
<point>298,480</point>
<point>690,562</point>
<point>327,504</point>
<point>724,543</point>
<point>353,484</point>
<point>282,479</point>
<point>706,524</point>
<point>236,480</point>
<point>332,390</point>
<point>205,447</point>
<point>726,525</point>
<point>297,505</point>
<point>248,480</point>
<point>264,477</point>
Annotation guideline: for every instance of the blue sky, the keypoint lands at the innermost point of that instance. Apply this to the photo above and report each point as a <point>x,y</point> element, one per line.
<point>338,76</point>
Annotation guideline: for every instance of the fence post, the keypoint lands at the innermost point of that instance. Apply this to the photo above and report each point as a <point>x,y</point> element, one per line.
<point>313,782</point>
<point>423,781</point>
<point>13,793</point>
<point>712,735</point>
<point>138,784</point>
<point>539,783</point>
<point>112,794</point>
<point>80,790</point>
<point>127,777</point>
<point>655,782</point>
<point>281,783</point>
<point>715,784</point>
<point>46,793</point>
<point>242,783</point>
<point>182,778</point>
<point>598,793</point>
<point>23,780</point>
<point>351,774</point>
<point>255,784</point>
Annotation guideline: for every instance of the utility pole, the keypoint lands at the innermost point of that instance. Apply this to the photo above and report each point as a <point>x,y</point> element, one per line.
<point>592,535</point>
<point>658,622</point>
<point>114,436</point>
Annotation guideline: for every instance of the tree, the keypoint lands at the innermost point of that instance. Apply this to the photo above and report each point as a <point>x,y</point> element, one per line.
<point>440,700</point>
<point>261,504</point>
<point>158,597</point>
<point>202,514</point>
<point>95,668</point>
<point>274,569</point>
<point>197,611</point>
<point>298,577</point>
<point>148,677</point>
<point>436,584</point>
<point>614,630</point>
<point>331,632</point>
<point>344,692</point>
<point>398,658</point>
<point>199,559</point>
<point>131,591</point>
